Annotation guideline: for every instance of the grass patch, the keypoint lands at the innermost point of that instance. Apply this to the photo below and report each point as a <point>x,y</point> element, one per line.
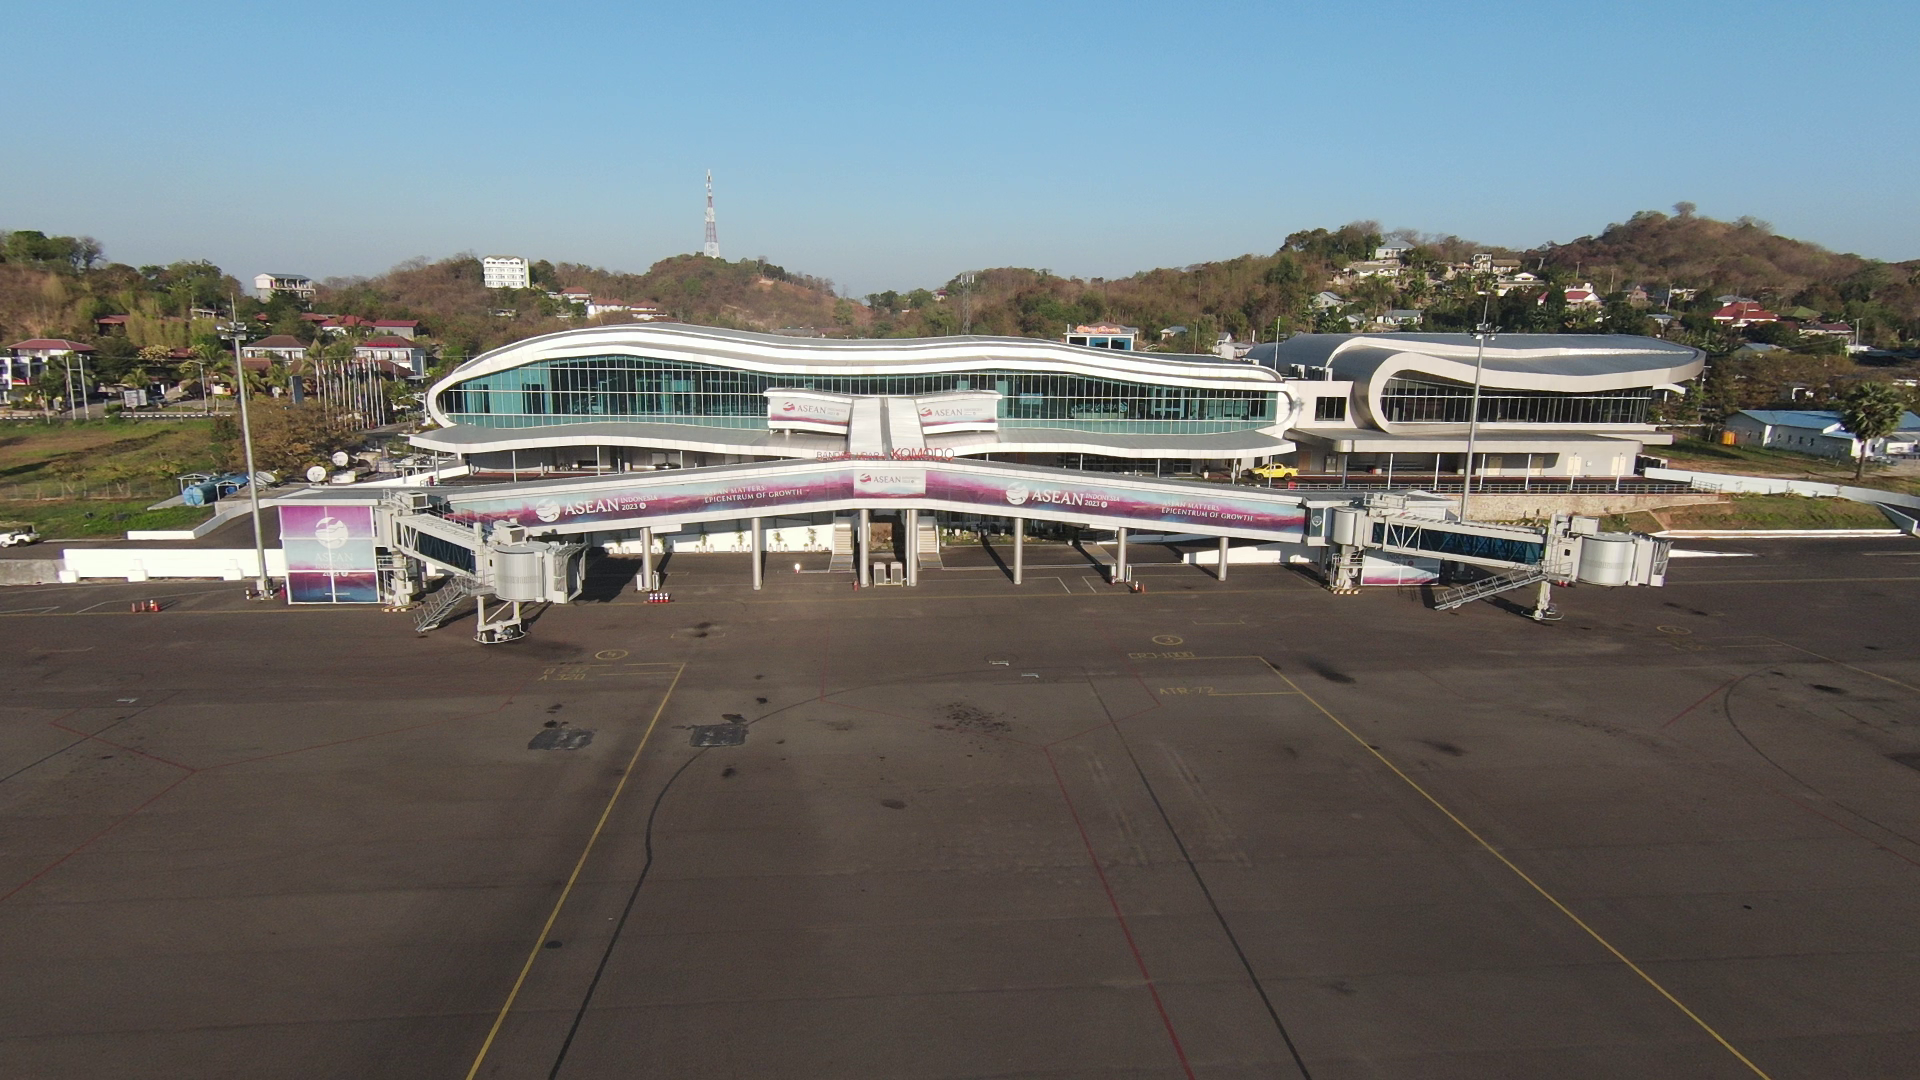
<point>69,519</point>
<point>93,456</point>
<point>1757,512</point>
<point>1704,456</point>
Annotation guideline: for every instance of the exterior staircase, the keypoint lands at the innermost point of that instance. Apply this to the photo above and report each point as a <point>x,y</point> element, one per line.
<point>439,606</point>
<point>1518,577</point>
<point>843,548</point>
<point>929,543</point>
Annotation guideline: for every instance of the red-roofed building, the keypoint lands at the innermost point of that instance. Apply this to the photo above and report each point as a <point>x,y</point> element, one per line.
<point>406,328</point>
<point>341,324</point>
<point>398,355</point>
<point>1580,296</point>
<point>108,323</point>
<point>1744,313</point>
<point>25,360</point>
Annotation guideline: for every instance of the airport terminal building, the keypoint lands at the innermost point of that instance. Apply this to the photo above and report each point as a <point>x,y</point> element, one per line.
<point>645,396</point>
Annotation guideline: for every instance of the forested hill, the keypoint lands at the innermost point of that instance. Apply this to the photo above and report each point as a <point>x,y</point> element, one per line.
<point>450,298</point>
<point>1743,256</point>
<point>1250,295</point>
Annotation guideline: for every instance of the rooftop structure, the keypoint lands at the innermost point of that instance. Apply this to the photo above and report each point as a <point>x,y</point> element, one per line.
<point>1105,336</point>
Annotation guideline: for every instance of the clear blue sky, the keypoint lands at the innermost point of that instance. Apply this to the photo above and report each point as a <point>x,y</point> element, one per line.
<point>892,145</point>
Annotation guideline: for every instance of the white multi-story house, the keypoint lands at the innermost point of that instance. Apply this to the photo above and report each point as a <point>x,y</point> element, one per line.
<point>284,348</point>
<point>265,285</point>
<point>25,360</point>
<point>506,272</point>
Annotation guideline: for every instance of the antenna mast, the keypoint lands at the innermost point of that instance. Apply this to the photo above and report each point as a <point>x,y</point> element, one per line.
<point>712,250</point>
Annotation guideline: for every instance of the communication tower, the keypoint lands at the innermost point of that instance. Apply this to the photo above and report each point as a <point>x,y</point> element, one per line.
<point>712,250</point>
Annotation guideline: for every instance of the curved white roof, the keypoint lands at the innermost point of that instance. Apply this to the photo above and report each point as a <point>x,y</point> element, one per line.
<point>775,355</point>
<point>1557,363</point>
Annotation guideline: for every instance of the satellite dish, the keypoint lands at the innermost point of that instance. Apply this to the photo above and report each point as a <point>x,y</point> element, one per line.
<point>317,474</point>
<point>340,459</point>
<point>265,478</point>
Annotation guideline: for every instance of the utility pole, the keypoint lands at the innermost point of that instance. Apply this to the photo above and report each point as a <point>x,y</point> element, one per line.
<point>1482,333</point>
<point>239,335</point>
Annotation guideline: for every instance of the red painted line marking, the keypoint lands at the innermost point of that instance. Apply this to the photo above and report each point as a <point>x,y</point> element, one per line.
<point>122,746</point>
<point>1125,931</point>
<point>89,841</point>
<point>1709,696</point>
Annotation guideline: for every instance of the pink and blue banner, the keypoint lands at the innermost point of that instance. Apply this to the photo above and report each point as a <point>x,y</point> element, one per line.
<point>330,558</point>
<point>1051,495</point>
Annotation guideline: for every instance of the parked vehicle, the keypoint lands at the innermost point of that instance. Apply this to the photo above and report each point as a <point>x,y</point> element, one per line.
<point>12,533</point>
<point>1276,471</point>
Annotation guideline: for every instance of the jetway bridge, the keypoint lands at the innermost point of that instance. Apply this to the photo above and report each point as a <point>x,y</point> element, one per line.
<point>523,542</point>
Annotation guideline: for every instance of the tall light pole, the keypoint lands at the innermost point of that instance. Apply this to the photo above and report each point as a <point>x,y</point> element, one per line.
<point>239,334</point>
<point>1482,333</point>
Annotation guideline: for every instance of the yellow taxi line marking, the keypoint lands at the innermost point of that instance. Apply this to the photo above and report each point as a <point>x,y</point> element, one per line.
<point>579,864</point>
<point>1849,667</point>
<point>1523,876</point>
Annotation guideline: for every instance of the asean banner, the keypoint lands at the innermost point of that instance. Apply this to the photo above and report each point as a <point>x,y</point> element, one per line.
<point>329,554</point>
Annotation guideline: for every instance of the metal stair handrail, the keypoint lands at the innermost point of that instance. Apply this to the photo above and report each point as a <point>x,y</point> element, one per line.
<point>437,608</point>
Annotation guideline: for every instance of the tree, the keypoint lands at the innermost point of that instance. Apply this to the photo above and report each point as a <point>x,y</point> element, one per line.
<point>1870,411</point>
<point>287,438</point>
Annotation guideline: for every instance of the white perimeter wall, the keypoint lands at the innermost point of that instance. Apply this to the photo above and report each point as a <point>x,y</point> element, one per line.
<point>139,564</point>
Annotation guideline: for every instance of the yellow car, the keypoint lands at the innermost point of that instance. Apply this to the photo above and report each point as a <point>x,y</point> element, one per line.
<point>1276,471</point>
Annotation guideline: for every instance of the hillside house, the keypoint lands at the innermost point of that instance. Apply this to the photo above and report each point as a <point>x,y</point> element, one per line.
<point>1581,297</point>
<point>295,285</point>
<point>398,356</point>
<point>281,348</point>
<point>1743,313</point>
<point>506,272</point>
<point>25,360</point>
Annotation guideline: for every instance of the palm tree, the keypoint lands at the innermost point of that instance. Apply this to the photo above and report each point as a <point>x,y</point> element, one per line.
<point>1871,411</point>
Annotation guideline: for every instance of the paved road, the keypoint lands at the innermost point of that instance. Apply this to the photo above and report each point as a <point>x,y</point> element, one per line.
<point>1217,830</point>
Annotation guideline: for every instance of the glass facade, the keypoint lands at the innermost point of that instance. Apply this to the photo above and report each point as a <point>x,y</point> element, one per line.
<point>639,388</point>
<point>1429,400</point>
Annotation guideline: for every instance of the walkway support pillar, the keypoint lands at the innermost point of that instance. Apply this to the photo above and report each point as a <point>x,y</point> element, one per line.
<point>758,570</point>
<point>1222,575</point>
<point>911,518</point>
<point>646,560</point>
<point>1120,570</point>
<point>1019,549</point>
<point>862,550</point>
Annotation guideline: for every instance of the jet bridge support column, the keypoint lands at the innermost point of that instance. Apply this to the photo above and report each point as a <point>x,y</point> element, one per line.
<point>911,520</point>
<point>758,570</point>
<point>1120,567</point>
<point>1019,548</point>
<point>862,549</point>
<point>1543,609</point>
<point>646,560</point>
<point>1222,575</point>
